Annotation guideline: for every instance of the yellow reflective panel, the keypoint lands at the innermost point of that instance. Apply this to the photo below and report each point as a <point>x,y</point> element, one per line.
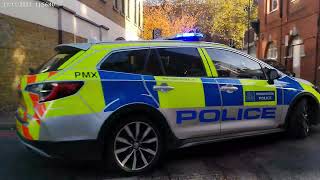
<point>311,90</point>
<point>210,62</point>
<point>253,85</point>
<point>204,61</point>
<point>41,77</point>
<point>85,68</point>
<point>71,105</point>
<point>28,102</point>
<point>19,128</point>
<point>90,59</point>
<point>23,82</point>
<point>90,97</point>
<point>34,129</point>
<point>20,112</point>
<point>186,92</point>
<point>92,94</point>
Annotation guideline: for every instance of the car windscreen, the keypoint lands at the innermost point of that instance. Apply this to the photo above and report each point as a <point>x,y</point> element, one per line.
<point>55,62</point>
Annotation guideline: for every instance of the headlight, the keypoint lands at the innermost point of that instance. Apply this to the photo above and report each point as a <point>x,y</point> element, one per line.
<point>316,88</point>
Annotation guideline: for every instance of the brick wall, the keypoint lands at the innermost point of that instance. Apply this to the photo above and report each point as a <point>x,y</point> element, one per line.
<point>302,15</point>
<point>23,45</point>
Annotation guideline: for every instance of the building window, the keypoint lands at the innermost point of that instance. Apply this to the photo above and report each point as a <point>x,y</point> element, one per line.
<point>272,52</point>
<point>273,5</point>
<point>115,4</point>
<point>296,45</point>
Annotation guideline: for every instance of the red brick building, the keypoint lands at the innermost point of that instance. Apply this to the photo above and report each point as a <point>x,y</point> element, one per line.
<point>289,33</point>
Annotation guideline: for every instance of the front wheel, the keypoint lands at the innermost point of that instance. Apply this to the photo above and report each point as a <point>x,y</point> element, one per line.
<point>135,145</point>
<point>300,120</point>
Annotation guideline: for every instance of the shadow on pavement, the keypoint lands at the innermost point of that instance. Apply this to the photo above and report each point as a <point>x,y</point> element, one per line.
<point>220,160</point>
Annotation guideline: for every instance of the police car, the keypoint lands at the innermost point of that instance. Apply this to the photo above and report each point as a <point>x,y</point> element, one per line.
<point>129,102</point>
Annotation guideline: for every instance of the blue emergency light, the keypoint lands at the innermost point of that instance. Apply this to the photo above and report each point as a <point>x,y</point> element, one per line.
<point>187,37</point>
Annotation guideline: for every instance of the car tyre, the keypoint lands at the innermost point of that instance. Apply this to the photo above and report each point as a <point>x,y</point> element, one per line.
<point>134,145</point>
<point>299,122</point>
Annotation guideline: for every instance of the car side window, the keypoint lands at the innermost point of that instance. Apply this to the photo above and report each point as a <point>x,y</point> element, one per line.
<point>231,64</point>
<point>131,61</point>
<point>153,66</point>
<point>182,62</point>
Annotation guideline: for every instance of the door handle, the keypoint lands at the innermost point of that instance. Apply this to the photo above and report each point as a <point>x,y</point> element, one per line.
<point>228,88</point>
<point>163,87</point>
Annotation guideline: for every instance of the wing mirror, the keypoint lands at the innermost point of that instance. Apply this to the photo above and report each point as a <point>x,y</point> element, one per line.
<point>272,75</point>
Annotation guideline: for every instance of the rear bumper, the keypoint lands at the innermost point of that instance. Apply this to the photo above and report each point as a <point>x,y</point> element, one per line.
<point>71,150</point>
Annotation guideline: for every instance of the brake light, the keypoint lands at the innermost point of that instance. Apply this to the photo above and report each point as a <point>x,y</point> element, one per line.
<point>55,90</point>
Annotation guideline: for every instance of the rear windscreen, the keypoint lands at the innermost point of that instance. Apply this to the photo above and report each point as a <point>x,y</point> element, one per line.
<point>55,62</point>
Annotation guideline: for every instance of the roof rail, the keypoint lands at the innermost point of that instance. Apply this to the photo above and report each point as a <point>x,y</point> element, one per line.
<point>86,46</point>
<point>157,40</point>
<point>137,41</point>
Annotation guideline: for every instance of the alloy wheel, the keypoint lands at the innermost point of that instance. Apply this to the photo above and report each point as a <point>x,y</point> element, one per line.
<point>135,146</point>
<point>306,119</point>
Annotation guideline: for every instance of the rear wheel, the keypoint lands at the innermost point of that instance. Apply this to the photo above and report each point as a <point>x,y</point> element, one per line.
<point>135,145</point>
<point>300,120</point>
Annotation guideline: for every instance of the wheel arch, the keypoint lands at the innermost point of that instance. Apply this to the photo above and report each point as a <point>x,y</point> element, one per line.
<point>311,99</point>
<point>139,108</point>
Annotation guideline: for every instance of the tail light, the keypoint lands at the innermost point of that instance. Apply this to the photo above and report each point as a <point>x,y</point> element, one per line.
<point>54,90</point>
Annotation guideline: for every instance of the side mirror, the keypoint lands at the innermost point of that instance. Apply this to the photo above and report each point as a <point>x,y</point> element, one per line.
<point>272,75</point>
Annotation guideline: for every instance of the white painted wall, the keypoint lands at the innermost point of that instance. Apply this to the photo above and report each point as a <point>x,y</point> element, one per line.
<point>48,17</point>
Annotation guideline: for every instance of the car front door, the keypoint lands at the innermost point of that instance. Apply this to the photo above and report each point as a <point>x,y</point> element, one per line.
<point>181,92</point>
<point>249,102</point>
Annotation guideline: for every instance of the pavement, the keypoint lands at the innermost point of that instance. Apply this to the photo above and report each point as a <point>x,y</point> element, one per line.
<point>7,120</point>
<point>263,157</point>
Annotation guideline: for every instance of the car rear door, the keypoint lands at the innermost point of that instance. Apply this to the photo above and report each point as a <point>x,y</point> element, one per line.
<point>249,101</point>
<point>182,92</point>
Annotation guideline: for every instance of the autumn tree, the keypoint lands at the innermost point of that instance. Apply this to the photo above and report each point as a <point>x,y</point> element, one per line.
<point>167,17</point>
<point>230,18</point>
<point>225,18</point>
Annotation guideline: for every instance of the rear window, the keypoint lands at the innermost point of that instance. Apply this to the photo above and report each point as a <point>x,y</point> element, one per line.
<point>132,61</point>
<point>55,62</point>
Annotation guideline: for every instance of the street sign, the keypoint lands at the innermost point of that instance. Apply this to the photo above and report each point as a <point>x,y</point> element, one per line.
<point>156,34</point>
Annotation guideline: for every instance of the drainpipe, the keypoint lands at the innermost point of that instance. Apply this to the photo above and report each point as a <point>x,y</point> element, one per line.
<point>281,20</point>
<point>249,14</point>
<point>60,25</point>
<point>316,80</point>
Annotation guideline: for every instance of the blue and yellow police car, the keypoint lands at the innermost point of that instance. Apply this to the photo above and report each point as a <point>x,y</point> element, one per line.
<point>128,102</point>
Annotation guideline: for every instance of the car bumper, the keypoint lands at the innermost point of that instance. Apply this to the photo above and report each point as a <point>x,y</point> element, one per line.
<point>73,150</point>
<point>60,128</point>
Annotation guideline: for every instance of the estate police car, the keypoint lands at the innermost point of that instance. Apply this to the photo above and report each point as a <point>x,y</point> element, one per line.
<point>128,102</point>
